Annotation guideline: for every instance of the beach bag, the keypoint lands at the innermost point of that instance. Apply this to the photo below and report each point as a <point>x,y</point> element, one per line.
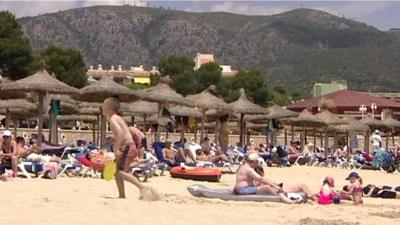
<point>109,170</point>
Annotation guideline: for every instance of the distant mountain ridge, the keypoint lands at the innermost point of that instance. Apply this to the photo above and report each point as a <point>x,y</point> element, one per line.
<point>296,48</point>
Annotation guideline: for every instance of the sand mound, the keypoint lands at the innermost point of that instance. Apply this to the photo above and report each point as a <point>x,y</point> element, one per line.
<point>311,221</point>
<point>388,214</point>
<point>149,194</point>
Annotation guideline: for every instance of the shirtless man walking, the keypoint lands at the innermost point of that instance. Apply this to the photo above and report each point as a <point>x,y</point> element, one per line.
<point>125,151</point>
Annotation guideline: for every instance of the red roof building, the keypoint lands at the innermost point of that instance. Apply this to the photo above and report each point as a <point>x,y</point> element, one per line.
<point>348,102</point>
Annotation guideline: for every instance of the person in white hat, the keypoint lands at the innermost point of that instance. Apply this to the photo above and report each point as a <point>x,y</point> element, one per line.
<point>247,177</point>
<point>9,151</point>
<point>376,140</point>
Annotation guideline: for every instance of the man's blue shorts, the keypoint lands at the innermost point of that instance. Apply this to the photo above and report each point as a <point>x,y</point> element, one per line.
<point>246,191</point>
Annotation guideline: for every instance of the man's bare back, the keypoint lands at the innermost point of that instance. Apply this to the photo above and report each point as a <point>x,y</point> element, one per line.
<point>246,176</point>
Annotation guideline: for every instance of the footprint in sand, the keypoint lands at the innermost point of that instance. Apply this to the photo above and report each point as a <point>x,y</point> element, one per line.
<point>149,194</point>
<point>311,221</point>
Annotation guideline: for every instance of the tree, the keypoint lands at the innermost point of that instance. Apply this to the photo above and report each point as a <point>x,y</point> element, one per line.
<point>252,81</point>
<point>209,73</point>
<point>66,63</point>
<point>15,51</point>
<point>174,65</point>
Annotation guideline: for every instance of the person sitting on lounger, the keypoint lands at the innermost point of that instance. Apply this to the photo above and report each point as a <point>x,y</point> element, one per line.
<point>293,153</point>
<point>201,156</point>
<point>9,151</point>
<point>173,157</point>
<point>247,178</point>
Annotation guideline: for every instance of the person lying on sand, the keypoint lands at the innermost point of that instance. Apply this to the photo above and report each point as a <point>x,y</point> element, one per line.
<point>373,191</point>
<point>247,178</point>
<point>125,151</point>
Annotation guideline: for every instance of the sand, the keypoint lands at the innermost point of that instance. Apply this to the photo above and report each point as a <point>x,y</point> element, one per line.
<point>93,201</point>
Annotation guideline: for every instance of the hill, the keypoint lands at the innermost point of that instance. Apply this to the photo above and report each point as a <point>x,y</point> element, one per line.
<point>296,48</point>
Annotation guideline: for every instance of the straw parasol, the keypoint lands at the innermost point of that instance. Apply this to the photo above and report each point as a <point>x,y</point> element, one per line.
<point>256,125</point>
<point>373,123</point>
<point>330,119</point>
<point>15,107</point>
<point>178,110</point>
<point>101,90</point>
<point>141,108</point>
<point>106,87</point>
<point>9,94</point>
<point>305,119</point>
<point>394,126</point>
<point>88,118</point>
<point>244,106</point>
<point>278,112</point>
<point>41,83</point>
<point>206,100</point>
<point>163,94</point>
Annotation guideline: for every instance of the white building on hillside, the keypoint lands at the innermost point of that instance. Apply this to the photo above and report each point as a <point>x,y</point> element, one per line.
<point>201,59</point>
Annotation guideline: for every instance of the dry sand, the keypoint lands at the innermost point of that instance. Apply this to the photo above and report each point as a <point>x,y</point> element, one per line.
<point>92,201</point>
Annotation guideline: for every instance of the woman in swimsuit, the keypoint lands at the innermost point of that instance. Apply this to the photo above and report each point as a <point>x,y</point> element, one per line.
<point>354,190</point>
<point>381,192</point>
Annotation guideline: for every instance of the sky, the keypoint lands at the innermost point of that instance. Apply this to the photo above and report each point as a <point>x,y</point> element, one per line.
<point>380,14</point>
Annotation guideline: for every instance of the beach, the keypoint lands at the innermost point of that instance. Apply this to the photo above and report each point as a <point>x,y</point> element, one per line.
<point>93,201</point>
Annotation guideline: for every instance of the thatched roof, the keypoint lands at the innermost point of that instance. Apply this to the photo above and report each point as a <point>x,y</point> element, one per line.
<point>278,112</point>
<point>330,119</point>
<point>184,111</point>
<point>77,117</point>
<point>9,94</point>
<point>256,125</point>
<point>89,111</point>
<point>106,87</point>
<point>212,125</point>
<point>392,123</point>
<point>206,100</point>
<point>244,106</point>
<point>41,81</point>
<point>164,94</point>
<point>17,104</point>
<point>140,107</point>
<point>352,125</point>
<point>373,123</point>
<point>305,118</point>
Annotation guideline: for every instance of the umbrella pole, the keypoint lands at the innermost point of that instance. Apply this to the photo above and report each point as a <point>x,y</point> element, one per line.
<point>203,118</point>
<point>302,140</point>
<point>366,142</point>
<point>321,139</point>
<point>183,129</point>
<point>144,124</point>
<point>286,137</point>
<point>315,137</point>
<point>326,144</point>
<point>8,119</point>
<point>103,132</point>
<point>97,130</point>
<point>40,118</point>
<point>53,129</point>
<point>335,146</point>
<point>387,140</point>
<point>393,139</point>
<point>94,131</point>
<point>217,130</point>
<point>241,139</point>
<point>158,125</point>
<point>15,128</point>
<point>292,132</point>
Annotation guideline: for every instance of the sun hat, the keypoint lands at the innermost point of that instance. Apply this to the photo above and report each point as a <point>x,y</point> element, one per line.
<point>377,131</point>
<point>330,180</point>
<point>253,156</point>
<point>6,133</point>
<point>353,174</point>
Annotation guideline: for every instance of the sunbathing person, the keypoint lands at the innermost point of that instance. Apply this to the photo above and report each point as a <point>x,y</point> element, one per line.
<point>355,190</point>
<point>373,191</point>
<point>171,156</point>
<point>293,153</point>
<point>9,152</point>
<point>201,156</point>
<point>247,180</point>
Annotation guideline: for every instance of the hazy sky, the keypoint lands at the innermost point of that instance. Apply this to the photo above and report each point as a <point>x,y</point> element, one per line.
<point>381,14</point>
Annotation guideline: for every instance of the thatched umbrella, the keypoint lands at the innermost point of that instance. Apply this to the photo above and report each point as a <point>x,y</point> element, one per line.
<point>92,109</point>
<point>331,120</point>
<point>305,119</point>
<point>105,88</point>
<point>9,94</point>
<point>9,106</point>
<point>394,125</point>
<point>141,108</point>
<point>163,94</point>
<point>206,100</point>
<point>184,111</point>
<point>41,83</point>
<point>245,106</point>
